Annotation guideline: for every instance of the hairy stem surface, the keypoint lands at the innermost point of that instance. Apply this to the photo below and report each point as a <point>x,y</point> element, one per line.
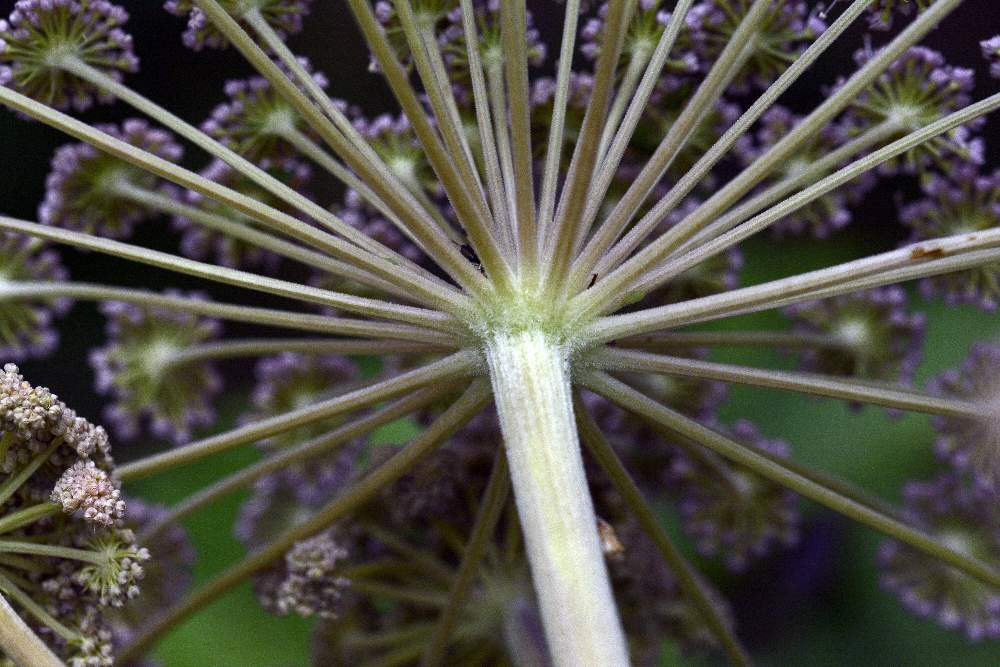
<point>531,386</point>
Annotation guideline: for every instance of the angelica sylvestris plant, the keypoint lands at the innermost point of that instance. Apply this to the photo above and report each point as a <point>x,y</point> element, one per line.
<point>525,249</point>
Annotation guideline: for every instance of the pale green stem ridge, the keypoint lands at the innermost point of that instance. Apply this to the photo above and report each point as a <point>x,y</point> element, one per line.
<point>484,124</point>
<point>442,100</point>
<point>922,259</point>
<point>437,244</point>
<point>265,316</point>
<point>28,515</point>
<point>323,444</point>
<point>371,307</point>
<point>553,151</point>
<point>775,193</point>
<point>638,403</point>
<point>513,34</point>
<point>687,576</point>
<point>559,243</point>
<point>498,103</point>
<point>531,386</point>
<point>487,518</point>
<point>237,162</point>
<point>617,282</point>
<point>732,59</point>
<point>256,347</point>
<point>458,365</point>
<point>461,411</point>
<point>51,550</point>
<point>672,340</point>
<point>310,149</point>
<point>20,643</point>
<point>710,248</point>
<point>470,209</point>
<point>806,383</point>
<point>244,230</point>
<point>701,168</point>
<point>431,291</point>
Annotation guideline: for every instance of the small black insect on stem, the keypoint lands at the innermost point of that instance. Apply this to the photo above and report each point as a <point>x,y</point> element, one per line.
<point>469,253</point>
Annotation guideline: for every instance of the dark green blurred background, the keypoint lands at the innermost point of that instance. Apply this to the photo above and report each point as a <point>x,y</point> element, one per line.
<point>818,605</point>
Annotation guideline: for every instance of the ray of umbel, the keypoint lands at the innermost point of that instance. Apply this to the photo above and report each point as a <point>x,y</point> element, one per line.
<point>510,244</point>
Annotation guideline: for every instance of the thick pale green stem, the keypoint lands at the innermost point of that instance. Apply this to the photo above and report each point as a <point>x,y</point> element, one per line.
<point>21,644</point>
<point>531,384</point>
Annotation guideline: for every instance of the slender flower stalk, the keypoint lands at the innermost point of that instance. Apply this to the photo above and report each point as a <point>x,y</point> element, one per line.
<point>479,264</point>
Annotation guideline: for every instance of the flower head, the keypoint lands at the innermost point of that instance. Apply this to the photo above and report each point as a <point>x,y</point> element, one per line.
<point>36,423</point>
<point>972,442</point>
<point>27,328</point>
<point>292,380</point>
<point>991,51</point>
<point>256,121</point>
<point>200,242</point>
<point>967,522</point>
<point>309,583</point>
<point>454,49</point>
<point>826,214</point>
<point>882,12</point>
<point>41,39</point>
<point>786,29</point>
<point>869,335</point>
<point>115,577</point>
<point>143,369</point>
<point>918,89</point>
<point>166,576</point>
<point>96,494</point>
<point>732,512</point>
<point>964,201</point>
<point>91,191</point>
<point>284,16</point>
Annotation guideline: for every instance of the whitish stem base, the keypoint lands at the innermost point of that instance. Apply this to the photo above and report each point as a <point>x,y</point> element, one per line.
<point>531,383</point>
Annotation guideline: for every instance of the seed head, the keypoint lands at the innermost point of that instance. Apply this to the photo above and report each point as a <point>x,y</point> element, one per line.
<point>87,488</point>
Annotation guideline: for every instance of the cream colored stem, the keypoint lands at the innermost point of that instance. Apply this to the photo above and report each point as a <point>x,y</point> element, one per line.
<point>531,385</point>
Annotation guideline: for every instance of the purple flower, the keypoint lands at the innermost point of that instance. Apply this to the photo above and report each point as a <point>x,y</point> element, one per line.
<point>41,37</point>
<point>94,192</point>
<point>972,443</point>
<point>203,243</point>
<point>918,89</point>
<point>27,329</point>
<point>257,121</point>
<point>285,16</point>
<point>825,215</point>
<point>991,51</point>
<point>142,368</point>
<point>784,32</point>
<point>961,517</point>
<point>868,335</point>
<point>964,201</point>
<point>881,12</point>
<point>291,380</point>
<point>732,512</point>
